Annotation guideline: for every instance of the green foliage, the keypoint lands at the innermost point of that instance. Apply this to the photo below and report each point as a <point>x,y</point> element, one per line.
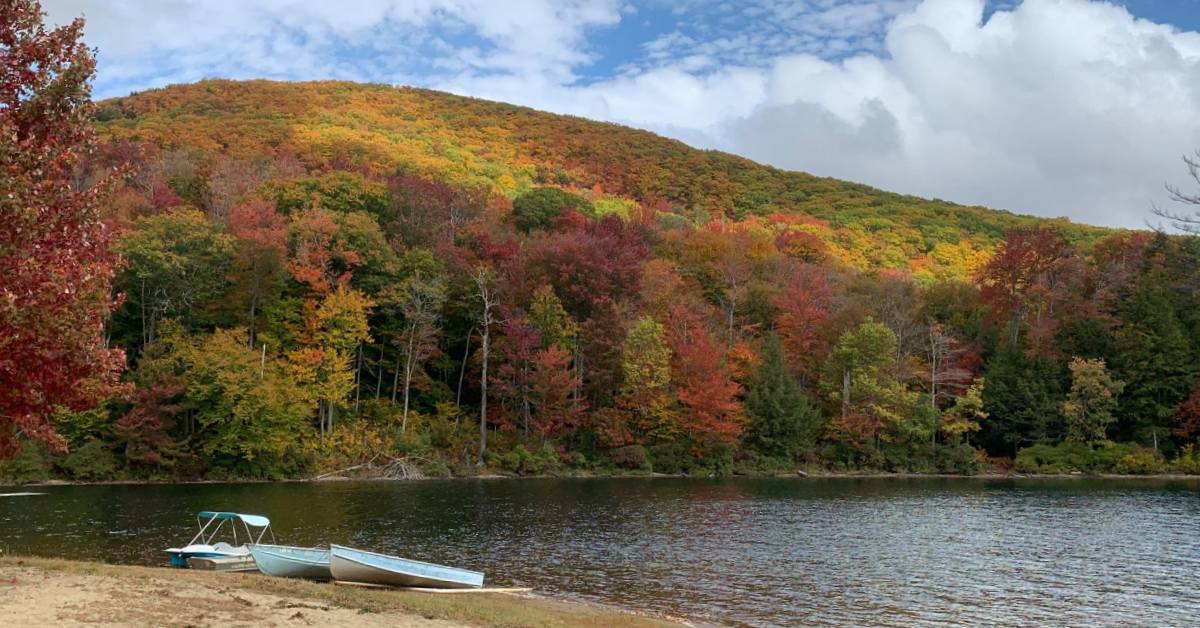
<point>521,461</point>
<point>244,408</point>
<point>782,422</point>
<point>90,461</point>
<point>538,208</point>
<point>341,192</point>
<point>1023,398</point>
<point>173,265</point>
<point>1077,457</point>
<point>1154,360</point>
<point>1187,462</point>
<point>31,464</point>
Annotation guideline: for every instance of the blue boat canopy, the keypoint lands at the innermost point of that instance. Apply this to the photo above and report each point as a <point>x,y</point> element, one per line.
<point>257,521</point>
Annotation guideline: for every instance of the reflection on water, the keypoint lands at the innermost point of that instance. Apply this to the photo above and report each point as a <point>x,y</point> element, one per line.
<point>895,552</point>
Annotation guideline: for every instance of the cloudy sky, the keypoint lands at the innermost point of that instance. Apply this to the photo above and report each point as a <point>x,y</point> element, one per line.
<point>1076,108</point>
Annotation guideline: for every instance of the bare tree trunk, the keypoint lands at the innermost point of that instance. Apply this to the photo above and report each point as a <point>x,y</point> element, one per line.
<point>463,371</point>
<point>379,375</point>
<point>396,379</point>
<point>483,396</point>
<point>409,359</point>
<point>358,378</point>
<point>845,393</point>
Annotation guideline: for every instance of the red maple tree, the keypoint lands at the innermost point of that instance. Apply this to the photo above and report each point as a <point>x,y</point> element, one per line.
<point>55,264</point>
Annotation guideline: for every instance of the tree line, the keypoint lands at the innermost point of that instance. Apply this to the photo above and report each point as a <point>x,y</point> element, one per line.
<point>179,315</point>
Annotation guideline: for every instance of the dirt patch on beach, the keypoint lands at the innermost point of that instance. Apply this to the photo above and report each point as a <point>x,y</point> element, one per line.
<point>33,596</point>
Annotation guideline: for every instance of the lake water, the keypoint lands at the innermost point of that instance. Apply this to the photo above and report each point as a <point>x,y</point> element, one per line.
<point>895,552</point>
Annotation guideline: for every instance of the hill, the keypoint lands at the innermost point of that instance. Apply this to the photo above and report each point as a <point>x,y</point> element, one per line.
<point>322,276</point>
<point>508,150</point>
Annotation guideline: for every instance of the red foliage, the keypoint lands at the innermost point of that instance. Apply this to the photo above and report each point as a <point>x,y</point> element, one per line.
<point>602,260</point>
<point>551,384</point>
<point>709,396</point>
<point>55,264</point>
<point>1020,279</point>
<point>145,429</point>
<point>805,303</point>
<point>1187,416</point>
<point>316,260</point>
<point>256,222</point>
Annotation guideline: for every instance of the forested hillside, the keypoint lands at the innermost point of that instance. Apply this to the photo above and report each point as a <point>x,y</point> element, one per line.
<point>317,275</point>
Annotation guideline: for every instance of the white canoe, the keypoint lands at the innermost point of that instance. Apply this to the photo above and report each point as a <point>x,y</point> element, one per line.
<point>292,562</point>
<point>352,565</point>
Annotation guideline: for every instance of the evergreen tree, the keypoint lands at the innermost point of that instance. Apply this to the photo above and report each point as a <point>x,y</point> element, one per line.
<point>1022,398</point>
<point>1155,361</point>
<point>782,422</point>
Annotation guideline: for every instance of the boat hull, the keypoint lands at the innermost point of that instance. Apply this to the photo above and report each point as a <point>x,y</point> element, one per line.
<point>180,555</point>
<point>292,562</point>
<point>223,563</point>
<point>350,565</point>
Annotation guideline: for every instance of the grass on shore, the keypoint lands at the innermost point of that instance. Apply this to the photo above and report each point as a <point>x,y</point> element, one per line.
<point>483,609</point>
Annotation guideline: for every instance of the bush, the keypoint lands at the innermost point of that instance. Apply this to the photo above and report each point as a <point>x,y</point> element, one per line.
<point>538,208</point>
<point>631,457</point>
<point>1187,462</point>
<point>1072,457</point>
<point>521,461</point>
<point>1140,462</point>
<point>91,461</point>
<point>29,465</point>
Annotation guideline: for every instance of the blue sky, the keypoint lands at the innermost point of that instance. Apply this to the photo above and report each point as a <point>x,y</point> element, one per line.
<point>1079,108</point>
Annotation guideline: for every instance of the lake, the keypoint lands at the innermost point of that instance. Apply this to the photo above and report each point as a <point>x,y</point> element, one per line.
<point>893,552</point>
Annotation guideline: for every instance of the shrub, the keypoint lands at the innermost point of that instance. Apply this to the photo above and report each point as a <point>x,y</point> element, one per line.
<point>1071,457</point>
<point>520,460</point>
<point>1140,462</point>
<point>90,461</point>
<point>1187,462</point>
<point>29,465</point>
<point>631,457</point>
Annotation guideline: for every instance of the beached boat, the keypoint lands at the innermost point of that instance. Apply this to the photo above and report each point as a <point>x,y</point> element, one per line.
<point>204,544</point>
<point>223,563</point>
<point>292,562</point>
<point>353,565</point>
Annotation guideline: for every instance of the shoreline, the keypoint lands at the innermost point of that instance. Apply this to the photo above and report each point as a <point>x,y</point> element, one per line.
<point>45,591</point>
<point>798,476</point>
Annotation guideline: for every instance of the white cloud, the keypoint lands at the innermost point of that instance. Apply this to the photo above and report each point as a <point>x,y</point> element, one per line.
<point>1055,107</point>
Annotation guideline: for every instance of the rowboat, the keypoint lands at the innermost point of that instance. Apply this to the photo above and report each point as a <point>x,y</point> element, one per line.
<point>292,562</point>
<point>353,565</point>
<point>204,544</point>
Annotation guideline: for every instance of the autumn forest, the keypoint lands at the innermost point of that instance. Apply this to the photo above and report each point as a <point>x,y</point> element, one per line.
<point>270,280</point>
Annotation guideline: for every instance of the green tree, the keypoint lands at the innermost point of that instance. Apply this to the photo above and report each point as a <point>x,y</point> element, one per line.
<point>244,407</point>
<point>1154,360</point>
<point>860,380</point>
<point>1022,397</point>
<point>782,422</point>
<point>1089,407</point>
<point>173,265</point>
<point>537,208</point>
<point>547,314</point>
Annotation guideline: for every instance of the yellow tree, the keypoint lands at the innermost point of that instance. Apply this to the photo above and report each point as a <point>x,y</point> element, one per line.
<point>334,327</point>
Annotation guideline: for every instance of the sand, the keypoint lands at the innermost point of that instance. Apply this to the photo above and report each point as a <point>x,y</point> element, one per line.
<point>33,596</point>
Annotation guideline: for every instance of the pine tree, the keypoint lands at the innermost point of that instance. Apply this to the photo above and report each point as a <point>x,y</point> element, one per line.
<point>782,422</point>
<point>1154,359</point>
<point>1022,398</point>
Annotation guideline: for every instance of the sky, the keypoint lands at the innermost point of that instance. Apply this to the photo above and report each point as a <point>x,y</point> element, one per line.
<point>1076,108</point>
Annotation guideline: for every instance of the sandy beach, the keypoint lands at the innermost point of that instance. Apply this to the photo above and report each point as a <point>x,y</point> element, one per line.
<point>50,592</point>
